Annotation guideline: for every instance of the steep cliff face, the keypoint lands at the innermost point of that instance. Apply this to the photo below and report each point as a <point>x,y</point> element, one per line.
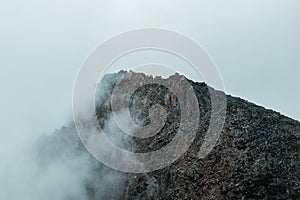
<point>257,155</point>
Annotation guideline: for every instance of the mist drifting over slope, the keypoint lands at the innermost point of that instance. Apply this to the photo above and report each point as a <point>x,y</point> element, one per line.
<point>257,155</point>
<point>55,166</point>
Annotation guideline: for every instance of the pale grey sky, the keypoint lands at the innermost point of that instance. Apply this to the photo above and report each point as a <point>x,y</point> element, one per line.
<point>254,43</point>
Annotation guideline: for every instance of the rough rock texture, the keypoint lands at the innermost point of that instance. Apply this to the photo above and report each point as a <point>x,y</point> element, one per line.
<point>256,157</point>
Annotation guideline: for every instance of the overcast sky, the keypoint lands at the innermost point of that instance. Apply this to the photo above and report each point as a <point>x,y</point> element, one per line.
<point>254,43</point>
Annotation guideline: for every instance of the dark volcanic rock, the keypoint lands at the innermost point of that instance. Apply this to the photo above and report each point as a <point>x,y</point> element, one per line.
<point>256,157</point>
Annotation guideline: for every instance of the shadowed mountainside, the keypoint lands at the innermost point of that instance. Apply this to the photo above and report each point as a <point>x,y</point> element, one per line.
<point>257,155</point>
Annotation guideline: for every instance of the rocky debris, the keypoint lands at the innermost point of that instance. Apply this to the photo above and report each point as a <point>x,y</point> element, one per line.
<point>256,157</point>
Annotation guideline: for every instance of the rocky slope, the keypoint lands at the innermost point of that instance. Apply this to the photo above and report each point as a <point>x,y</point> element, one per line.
<point>256,157</point>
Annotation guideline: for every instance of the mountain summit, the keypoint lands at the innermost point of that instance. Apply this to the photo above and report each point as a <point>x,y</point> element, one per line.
<point>256,157</point>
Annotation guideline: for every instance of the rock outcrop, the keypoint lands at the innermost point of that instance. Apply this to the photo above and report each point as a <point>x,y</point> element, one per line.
<point>257,155</point>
